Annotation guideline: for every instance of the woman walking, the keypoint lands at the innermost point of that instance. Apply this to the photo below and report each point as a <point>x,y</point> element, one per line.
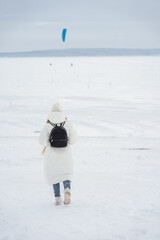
<point>57,135</point>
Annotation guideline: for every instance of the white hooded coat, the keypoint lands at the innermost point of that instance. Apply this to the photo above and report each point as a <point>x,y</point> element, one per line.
<point>58,162</point>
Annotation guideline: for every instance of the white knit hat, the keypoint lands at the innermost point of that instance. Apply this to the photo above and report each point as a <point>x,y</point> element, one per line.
<point>56,115</point>
<point>56,108</point>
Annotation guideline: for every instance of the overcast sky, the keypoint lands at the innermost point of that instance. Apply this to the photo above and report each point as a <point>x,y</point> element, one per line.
<point>37,24</point>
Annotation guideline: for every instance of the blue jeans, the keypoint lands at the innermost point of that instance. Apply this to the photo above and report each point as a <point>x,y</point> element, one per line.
<point>56,187</point>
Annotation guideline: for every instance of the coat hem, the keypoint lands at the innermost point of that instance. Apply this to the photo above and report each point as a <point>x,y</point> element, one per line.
<point>60,178</point>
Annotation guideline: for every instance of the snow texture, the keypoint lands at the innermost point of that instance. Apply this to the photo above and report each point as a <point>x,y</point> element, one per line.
<point>114,104</point>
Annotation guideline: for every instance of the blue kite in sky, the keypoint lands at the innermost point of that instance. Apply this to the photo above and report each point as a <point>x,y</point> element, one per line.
<point>64,34</point>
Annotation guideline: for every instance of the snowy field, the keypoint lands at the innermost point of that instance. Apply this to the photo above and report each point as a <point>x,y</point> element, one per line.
<point>114,104</point>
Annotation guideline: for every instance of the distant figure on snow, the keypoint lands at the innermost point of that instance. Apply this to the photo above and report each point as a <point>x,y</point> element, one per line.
<point>57,135</point>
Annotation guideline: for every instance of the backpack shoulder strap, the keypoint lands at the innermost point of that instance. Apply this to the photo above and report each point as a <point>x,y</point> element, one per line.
<point>62,124</point>
<point>54,125</point>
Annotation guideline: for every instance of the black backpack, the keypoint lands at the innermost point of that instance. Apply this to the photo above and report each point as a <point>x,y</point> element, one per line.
<point>58,136</point>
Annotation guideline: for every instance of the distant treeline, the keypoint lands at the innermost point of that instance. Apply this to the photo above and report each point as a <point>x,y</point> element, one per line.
<point>80,52</point>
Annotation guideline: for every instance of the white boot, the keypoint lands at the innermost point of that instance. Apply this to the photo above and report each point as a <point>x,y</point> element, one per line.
<point>58,200</point>
<point>67,196</point>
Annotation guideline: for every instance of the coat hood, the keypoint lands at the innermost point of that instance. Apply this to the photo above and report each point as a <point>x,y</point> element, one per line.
<point>56,117</point>
<point>56,108</point>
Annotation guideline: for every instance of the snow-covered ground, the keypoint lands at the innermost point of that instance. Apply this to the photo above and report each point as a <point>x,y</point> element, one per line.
<point>114,104</point>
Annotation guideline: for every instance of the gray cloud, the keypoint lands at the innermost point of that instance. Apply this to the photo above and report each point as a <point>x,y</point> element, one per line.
<point>29,25</point>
